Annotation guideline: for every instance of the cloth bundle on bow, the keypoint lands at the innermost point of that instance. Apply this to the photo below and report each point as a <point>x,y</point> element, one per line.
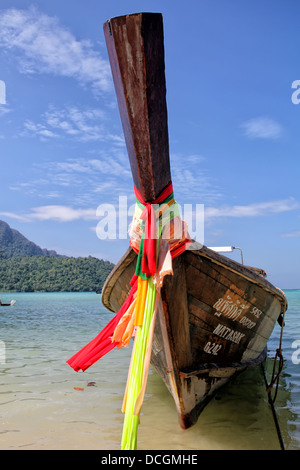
<point>157,235</point>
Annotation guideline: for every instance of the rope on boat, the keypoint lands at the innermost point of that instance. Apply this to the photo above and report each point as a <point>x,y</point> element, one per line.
<point>278,356</point>
<point>276,376</point>
<point>271,402</point>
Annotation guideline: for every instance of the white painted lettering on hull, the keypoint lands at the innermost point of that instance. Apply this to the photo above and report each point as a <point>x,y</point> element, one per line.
<point>228,334</point>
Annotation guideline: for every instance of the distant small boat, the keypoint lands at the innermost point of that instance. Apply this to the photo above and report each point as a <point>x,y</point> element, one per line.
<point>10,304</point>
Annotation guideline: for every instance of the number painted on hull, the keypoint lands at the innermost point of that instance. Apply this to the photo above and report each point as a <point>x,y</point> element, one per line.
<point>212,348</point>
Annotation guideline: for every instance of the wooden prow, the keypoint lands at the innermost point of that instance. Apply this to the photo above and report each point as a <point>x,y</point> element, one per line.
<point>135,47</point>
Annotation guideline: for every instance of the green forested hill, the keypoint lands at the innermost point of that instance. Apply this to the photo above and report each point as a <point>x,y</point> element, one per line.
<point>25,267</point>
<point>52,274</point>
<point>13,243</point>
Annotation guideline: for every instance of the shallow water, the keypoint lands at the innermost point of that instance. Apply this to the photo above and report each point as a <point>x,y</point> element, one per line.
<point>40,407</point>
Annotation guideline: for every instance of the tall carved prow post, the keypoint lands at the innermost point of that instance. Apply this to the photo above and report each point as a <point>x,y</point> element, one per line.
<point>135,47</point>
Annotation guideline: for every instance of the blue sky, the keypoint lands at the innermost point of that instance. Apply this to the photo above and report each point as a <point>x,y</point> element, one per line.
<point>233,126</point>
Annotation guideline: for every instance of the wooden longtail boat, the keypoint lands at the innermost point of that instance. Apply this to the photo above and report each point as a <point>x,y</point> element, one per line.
<point>215,315</point>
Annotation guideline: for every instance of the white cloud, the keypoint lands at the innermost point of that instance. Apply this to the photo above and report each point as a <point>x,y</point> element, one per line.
<point>188,172</point>
<point>253,210</point>
<point>12,215</point>
<point>61,213</point>
<point>262,128</point>
<point>64,213</point>
<point>30,128</point>
<point>80,182</point>
<point>42,45</point>
<point>57,213</point>
<point>110,164</point>
<point>4,109</point>
<point>84,125</point>
<point>294,234</point>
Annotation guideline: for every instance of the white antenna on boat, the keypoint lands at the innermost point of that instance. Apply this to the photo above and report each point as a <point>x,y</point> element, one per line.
<point>227,249</point>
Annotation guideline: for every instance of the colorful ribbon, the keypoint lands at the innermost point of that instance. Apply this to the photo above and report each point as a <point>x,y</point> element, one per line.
<point>148,247</point>
<point>138,373</point>
<point>102,343</point>
<point>156,239</point>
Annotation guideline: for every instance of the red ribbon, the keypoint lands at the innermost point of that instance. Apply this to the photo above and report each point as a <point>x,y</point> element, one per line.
<point>150,239</point>
<point>101,344</point>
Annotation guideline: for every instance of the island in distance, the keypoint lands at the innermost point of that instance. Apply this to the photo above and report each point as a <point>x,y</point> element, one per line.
<point>25,267</point>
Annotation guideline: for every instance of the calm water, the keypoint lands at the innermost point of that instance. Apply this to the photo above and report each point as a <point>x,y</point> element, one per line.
<point>40,407</point>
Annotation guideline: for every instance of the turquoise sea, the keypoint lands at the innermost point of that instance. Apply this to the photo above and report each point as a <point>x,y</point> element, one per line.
<point>45,405</point>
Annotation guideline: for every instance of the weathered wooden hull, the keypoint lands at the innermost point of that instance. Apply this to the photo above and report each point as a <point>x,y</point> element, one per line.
<point>214,320</point>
